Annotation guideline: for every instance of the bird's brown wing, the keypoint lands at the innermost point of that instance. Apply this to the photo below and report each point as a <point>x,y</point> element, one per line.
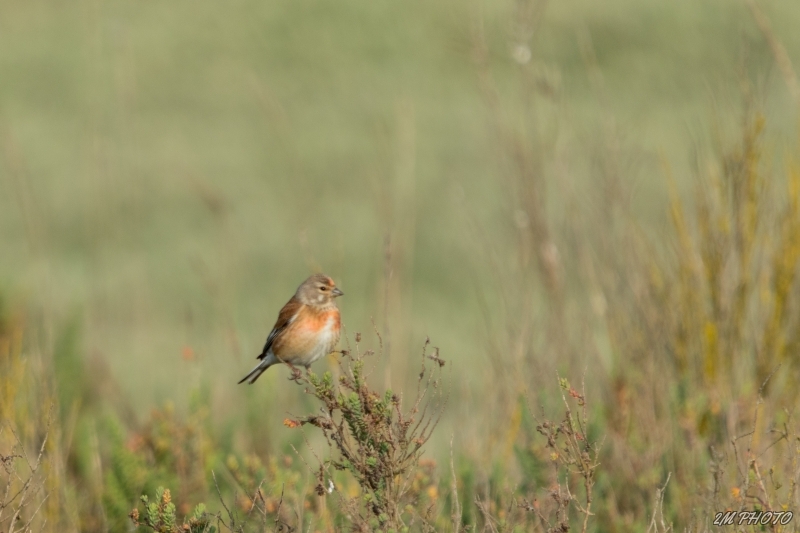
<point>285,317</point>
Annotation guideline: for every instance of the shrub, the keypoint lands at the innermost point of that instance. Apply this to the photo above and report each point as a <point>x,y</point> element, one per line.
<point>377,441</point>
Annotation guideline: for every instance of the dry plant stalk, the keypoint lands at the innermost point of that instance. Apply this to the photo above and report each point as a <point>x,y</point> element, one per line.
<point>23,491</point>
<point>377,442</point>
<point>575,454</point>
<point>573,459</point>
<point>754,486</point>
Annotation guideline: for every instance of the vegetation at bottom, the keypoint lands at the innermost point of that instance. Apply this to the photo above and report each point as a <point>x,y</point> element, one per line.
<point>368,475</point>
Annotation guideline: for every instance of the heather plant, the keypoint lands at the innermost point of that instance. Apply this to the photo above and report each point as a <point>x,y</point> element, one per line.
<point>159,516</point>
<point>375,438</point>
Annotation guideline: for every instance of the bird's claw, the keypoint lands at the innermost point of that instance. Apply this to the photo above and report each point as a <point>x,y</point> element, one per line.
<point>296,373</point>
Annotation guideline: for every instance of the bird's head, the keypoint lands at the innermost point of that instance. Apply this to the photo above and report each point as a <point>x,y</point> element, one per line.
<point>318,290</point>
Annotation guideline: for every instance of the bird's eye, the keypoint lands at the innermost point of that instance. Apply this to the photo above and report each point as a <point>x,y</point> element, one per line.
<point>323,288</point>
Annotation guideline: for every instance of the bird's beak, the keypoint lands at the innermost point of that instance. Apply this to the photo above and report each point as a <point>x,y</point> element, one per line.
<point>336,292</point>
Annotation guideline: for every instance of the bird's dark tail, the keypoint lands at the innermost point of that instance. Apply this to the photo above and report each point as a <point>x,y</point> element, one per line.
<point>259,369</point>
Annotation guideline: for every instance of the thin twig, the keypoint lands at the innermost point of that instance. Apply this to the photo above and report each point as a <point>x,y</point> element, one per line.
<point>222,501</point>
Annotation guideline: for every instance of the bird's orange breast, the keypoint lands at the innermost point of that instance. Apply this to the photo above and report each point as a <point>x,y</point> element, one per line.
<point>315,321</point>
<point>312,334</point>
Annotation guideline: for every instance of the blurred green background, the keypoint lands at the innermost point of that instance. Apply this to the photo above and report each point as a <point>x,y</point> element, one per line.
<point>171,171</point>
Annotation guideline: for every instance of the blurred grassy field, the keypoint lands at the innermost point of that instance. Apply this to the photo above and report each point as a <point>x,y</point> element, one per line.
<point>172,171</point>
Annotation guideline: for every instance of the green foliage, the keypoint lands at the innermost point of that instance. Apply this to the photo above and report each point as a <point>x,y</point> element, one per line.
<point>159,516</point>
<point>378,443</point>
<point>125,478</point>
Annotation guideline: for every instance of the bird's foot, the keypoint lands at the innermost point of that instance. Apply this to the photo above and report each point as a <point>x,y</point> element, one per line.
<point>296,373</point>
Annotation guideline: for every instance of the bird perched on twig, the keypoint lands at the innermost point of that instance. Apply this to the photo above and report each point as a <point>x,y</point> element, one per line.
<point>307,328</point>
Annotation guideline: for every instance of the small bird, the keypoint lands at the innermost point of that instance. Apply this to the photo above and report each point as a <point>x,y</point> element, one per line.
<point>307,327</point>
